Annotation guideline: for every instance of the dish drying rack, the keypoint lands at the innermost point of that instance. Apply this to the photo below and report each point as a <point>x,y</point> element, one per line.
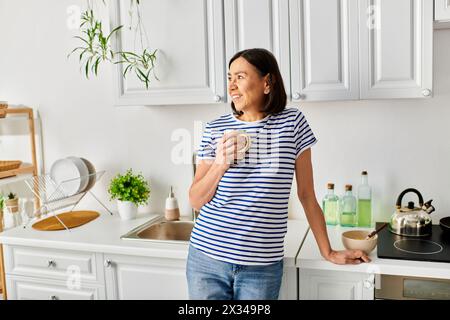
<point>53,196</point>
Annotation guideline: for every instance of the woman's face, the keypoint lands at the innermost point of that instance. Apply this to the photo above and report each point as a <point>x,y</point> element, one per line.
<point>245,86</point>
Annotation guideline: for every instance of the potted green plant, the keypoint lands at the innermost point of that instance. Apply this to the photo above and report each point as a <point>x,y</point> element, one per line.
<point>130,190</point>
<point>12,203</point>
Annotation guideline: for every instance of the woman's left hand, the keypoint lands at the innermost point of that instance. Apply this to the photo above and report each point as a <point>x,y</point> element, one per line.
<point>347,257</point>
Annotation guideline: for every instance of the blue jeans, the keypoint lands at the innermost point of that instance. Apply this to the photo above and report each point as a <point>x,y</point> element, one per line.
<point>211,279</point>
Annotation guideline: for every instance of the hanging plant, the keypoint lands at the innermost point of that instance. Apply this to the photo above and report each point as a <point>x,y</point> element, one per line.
<point>96,46</point>
<point>141,64</point>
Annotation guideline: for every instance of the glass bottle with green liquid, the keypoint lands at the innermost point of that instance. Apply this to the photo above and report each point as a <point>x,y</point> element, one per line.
<point>330,206</point>
<point>348,215</point>
<point>364,202</point>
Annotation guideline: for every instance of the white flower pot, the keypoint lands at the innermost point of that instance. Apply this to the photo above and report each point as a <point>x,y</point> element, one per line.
<point>127,210</point>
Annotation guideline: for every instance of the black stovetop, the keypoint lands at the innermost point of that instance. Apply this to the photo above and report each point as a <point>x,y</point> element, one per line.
<point>435,248</point>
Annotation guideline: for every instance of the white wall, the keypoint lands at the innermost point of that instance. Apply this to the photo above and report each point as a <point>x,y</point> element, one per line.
<point>402,143</point>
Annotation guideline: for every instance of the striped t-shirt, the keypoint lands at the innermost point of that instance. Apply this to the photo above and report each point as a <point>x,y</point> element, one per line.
<point>246,220</point>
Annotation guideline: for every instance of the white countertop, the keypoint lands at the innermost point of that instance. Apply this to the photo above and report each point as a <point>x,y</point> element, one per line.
<point>103,235</point>
<point>310,258</point>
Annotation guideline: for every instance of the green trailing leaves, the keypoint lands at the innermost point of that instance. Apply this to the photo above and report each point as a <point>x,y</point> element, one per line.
<point>96,48</point>
<point>142,65</point>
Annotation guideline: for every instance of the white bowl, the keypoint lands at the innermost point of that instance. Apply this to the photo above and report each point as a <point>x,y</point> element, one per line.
<point>70,174</point>
<point>356,240</point>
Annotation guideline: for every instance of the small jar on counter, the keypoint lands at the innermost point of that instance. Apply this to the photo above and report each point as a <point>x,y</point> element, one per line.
<point>172,211</point>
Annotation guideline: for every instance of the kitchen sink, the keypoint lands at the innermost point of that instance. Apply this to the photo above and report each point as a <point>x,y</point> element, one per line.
<point>162,230</point>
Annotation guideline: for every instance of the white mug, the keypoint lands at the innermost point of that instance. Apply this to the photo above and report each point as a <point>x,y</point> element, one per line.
<point>241,135</point>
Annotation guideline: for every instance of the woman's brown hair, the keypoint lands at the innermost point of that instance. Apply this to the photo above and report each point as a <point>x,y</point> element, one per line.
<point>265,63</point>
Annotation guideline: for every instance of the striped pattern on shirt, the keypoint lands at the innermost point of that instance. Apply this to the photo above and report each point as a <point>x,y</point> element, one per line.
<point>246,220</point>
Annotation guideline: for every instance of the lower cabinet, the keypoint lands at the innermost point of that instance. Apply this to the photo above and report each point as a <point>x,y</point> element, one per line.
<point>27,288</point>
<point>335,285</point>
<point>50,274</point>
<point>288,290</point>
<point>130,277</point>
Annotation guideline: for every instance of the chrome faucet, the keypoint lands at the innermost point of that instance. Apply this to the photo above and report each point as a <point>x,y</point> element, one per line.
<point>194,214</point>
<point>194,168</point>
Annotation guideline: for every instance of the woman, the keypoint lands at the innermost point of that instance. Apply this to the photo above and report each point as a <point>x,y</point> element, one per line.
<point>236,247</point>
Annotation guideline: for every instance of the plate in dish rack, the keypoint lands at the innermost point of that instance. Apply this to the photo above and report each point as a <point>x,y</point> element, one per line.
<point>71,174</point>
<point>92,175</point>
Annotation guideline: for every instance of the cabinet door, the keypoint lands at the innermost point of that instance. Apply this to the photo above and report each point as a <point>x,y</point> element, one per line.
<point>324,49</point>
<point>442,10</point>
<point>396,46</point>
<point>259,24</point>
<point>136,278</point>
<point>27,288</point>
<point>335,285</point>
<point>189,36</point>
<point>52,263</point>
<point>288,290</point>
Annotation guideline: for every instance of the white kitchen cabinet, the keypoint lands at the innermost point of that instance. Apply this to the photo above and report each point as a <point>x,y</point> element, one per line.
<point>335,285</point>
<point>45,273</point>
<point>52,263</point>
<point>288,290</point>
<point>136,278</point>
<point>442,10</point>
<point>26,288</point>
<point>189,36</point>
<point>396,48</point>
<point>324,50</point>
<point>259,24</point>
<point>129,277</point>
<point>442,14</point>
<point>370,49</point>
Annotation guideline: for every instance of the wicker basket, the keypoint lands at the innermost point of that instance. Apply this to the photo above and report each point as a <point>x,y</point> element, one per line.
<point>3,106</point>
<point>9,165</point>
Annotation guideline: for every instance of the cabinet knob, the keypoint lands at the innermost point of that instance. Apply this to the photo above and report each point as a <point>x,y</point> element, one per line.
<point>297,96</point>
<point>217,98</point>
<point>369,282</point>
<point>426,92</point>
<point>51,263</point>
<point>108,263</point>
<point>53,298</point>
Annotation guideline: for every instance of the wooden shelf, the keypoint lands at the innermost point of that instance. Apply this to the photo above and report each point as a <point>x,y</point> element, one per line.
<point>19,173</point>
<point>9,175</point>
<point>12,110</point>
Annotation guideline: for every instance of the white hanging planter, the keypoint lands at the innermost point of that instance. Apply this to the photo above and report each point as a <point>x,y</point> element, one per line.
<point>127,210</point>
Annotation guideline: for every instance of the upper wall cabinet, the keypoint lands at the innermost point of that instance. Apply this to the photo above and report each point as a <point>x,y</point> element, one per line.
<point>189,36</point>
<point>396,48</point>
<point>442,14</point>
<point>259,24</point>
<point>361,49</point>
<point>442,10</point>
<point>324,49</point>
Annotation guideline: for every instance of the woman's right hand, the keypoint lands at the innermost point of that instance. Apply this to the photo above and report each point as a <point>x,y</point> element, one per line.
<point>347,257</point>
<point>226,151</point>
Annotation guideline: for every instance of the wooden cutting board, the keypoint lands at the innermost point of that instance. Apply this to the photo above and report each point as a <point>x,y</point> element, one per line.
<point>71,219</point>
